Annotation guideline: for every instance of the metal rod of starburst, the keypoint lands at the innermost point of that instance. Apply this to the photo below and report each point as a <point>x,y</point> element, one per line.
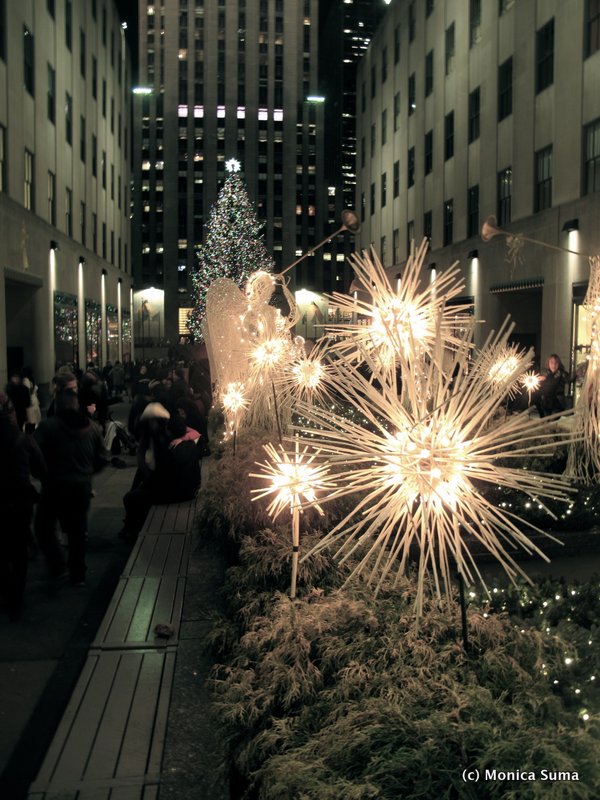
<point>234,438</point>
<point>276,412</point>
<point>295,549</point>
<point>463,611</point>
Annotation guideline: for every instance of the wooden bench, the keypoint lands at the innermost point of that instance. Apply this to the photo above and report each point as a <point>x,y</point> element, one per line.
<point>110,741</point>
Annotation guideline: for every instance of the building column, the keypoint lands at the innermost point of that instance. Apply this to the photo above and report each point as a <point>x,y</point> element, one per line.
<point>3,353</point>
<point>44,360</point>
<point>120,321</point>
<point>103,321</point>
<point>131,325</point>
<point>81,315</point>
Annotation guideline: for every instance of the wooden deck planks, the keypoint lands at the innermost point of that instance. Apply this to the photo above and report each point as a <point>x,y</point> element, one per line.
<point>110,741</point>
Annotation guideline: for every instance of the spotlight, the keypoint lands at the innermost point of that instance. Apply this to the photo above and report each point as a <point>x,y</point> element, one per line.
<point>81,260</point>
<point>54,245</point>
<point>473,254</point>
<point>571,225</point>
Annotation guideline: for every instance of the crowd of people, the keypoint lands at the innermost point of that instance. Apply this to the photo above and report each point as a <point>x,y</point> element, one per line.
<point>47,461</point>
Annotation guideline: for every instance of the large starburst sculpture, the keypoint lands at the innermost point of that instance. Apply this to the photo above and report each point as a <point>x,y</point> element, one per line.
<point>584,458</point>
<point>306,376</point>
<point>401,321</point>
<point>294,481</point>
<point>418,469</point>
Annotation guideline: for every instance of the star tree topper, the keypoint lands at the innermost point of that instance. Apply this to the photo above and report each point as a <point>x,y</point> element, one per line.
<point>233,165</point>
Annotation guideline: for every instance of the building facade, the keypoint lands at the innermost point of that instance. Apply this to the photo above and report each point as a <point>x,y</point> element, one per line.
<point>345,32</point>
<point>469,108</point>
<point>65,128</point>
<point>224,80</point>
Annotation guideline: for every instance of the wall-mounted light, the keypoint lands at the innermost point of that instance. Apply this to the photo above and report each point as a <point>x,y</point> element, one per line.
<point>81,260</point>
<point>571,225</point>
<point>105,272</point>
<point>432,265</point>
<point>120,280</point>
<point>473,254</point>
<point>143,90</point>
<point>315,98</point>
<point>54,245</point>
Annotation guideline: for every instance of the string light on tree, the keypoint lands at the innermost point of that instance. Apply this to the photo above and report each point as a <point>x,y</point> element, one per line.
<point>233,245</point>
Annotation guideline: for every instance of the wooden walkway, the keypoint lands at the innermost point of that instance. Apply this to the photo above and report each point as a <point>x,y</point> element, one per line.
<point>109,744</point>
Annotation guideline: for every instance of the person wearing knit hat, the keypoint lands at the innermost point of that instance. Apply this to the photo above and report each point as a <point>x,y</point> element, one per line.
<point>154,411</point>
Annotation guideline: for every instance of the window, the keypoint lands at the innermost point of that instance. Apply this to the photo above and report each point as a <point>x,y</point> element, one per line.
<point>449,135</point>
<point>396,111</point>
<point>28,57</point>
<point>363,95</point>
<point>94,155</point>
<point>543,179</point>
<point>51,94</point>
<point>474,22</point>
<point>112,181</point>
<point>69,212</point>
<point>28,183</point>
<point>396,44</point>
<point>82,52</point>
<point>450,49</point>
<point>384,65</point>
<point>429,73</point>
<point>94,232</point>
<point>363,203</point>
<point>544,56</point>
<point>94,77</point>
<point>51,198</point>
<point>82,223</point>
<point>382,249</point>
<point>383,189</point>
<point>372,198</point>
<point>591,167</point>
<point>411,167</point>
<point>427,225</point>
<point>373,139</point>
<point>504,195</point>
<point>69,24</point>
<point>448,221</point>
<point>396,178</point>
<point>104,240</point>
<point>428,152</point>
<point>396,245</point>
<point>68,118</point>
<point>50,7</point>
<point>103,169</point>
<point>373,81</point>
<point>3,30</point>
<point>411,22</point>
<point>384,126</point>
<point>592,26</point>
<point>104,97</point>
<point>412,94</point>
<point>2,158</point>
<point>410,236</point>
<point>82,152</point>
<point>473,123</point>
<point>505,89</point>
<point>473,210</point>
<point>363,148</point>
<point>428,8</point>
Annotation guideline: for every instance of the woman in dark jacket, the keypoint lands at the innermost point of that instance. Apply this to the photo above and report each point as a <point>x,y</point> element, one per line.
<point>551,394</point>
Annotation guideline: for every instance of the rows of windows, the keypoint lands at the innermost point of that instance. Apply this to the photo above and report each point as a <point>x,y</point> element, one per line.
<point>542,191</point>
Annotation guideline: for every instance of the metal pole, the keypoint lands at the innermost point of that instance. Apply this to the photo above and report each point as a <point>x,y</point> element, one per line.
<point>463,611</point>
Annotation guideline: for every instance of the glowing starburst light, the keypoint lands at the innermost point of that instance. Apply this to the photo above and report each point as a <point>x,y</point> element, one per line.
<point>269,354</point>
<point>419,469</point>
<point>531,381</point>
<point>294,482</point>
<point>399,323</point>
<point>234,398</point>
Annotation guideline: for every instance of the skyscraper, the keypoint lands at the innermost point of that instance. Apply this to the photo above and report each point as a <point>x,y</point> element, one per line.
<point>222,80</point>
<point>345,31</point>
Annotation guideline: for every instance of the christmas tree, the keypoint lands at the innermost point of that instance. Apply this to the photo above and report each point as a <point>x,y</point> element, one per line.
<point>233,246</point>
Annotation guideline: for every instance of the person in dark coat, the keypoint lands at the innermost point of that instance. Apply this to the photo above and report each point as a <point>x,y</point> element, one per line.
<point>20,457</point>
<point>551,393</point>
<point>73,447</point>
<point>20,398</point>
<point>169,467</point>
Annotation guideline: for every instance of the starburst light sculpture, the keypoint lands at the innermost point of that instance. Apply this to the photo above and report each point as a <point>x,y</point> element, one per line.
<point>400,323</point>
<point>418,469</point>
<point>531,382</point>
<point>294,482</point>
<point>235,402</point>
<point>306,376</point>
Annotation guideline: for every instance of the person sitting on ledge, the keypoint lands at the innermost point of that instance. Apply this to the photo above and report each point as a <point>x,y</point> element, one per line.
<point>169,467</point>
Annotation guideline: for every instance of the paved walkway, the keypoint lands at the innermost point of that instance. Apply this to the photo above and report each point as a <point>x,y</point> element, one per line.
<point>42,655</point>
